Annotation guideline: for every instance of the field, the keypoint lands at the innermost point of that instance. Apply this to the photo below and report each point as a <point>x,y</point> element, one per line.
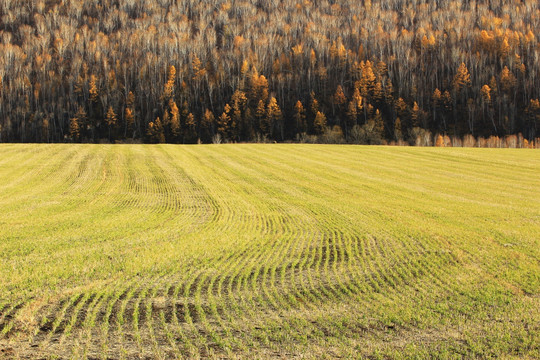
<point>267,251</point>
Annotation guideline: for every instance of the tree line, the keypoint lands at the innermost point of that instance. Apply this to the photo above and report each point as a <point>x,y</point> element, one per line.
<point>185,71</point>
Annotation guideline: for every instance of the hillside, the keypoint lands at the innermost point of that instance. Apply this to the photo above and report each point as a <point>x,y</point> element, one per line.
<point>172,71</point>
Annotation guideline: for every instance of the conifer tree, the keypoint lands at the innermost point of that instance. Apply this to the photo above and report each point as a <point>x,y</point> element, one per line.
<point>300,117</point>
<point>174,119</point>
<point>223,122</point>
<point>273,115</point>
<point>319,123</point>
<point>260,114</point>
<point>111,121</point>
<point>398,135</point>
<point>168,91</point>
<point>74,131</point>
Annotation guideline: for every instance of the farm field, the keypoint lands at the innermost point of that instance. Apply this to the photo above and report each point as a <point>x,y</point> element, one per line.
<point>268,251</point>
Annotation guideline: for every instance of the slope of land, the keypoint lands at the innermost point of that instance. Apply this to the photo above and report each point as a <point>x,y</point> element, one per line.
<point>163,251</point>
<point>314,70</point>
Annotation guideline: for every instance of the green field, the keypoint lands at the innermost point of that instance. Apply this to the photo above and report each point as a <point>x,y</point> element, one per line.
<point>267,251</point>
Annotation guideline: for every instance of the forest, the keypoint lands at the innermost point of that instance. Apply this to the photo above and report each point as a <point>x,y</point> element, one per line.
<point>188,71</point>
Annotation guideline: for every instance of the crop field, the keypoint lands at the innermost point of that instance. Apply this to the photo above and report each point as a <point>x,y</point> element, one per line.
<point>268,251</point>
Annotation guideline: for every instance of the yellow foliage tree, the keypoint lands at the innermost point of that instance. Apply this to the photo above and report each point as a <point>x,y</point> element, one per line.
<point>174,118</point>
<point>462,79</point>
<point>319,123</point>
<point>300,117</point>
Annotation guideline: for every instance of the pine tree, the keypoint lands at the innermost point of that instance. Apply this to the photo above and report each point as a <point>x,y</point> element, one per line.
<point>191,127</point>
<point>259,87</point>
<point>339,100</point>
<point>485,94</point>
<point>415,115</point>
<point>93,89</point>
<point>168,91</point>
<point>174,119</point>
<point>260,115</point>
<point>398,135</point>
<point>367,80</point>
<point>223,122</point>
<point>533,116</point>
<point>207,124</point>
<point>319,123</point>
<point>508,81</point>
<point>462,79</point>
<point>402,110</point>
<point>339,97</point>
<point>273,115</point>
<point>238,121</point>
<point>198,70</point>
<point>300,117</point>
<point>74,131</point>
<point>111,117</point>
<point>436,99</point>
<point>111,121</point>
<point>378,93</point>
<point>82,119</point>
<point>357,98</point>
<point>378,128</point>
<point>314,104</point>
<point>129,114</point>
<point>155,132</point>
<point>352,114</point>
<point>389,92</point>
<point>447,101</point>
<point>96,112</point>
<point>440,141</point>
<point>129,118</point>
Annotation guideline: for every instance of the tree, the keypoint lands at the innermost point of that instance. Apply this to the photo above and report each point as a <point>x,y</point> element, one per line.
<point>274,117</point>
<point>260,115</point>
<point>93,90</point>
<point>95,109</point>
<point>191,127</point>
<point>402,110</point>
<point>440,141</point>
<point>462,79</point>
<point>155,131</point>
<point>378,128</point>
<point>319,123</point>
<point>129,115</point>
<point>398,135</point>
<point>223,122</point>
<point>207,124</point>
<point>77,123</point>
<point>168,90</point>
<point>486,104</point>
<point>352,114</point>
<point>368,80</point>
<point>259,87</point>
<point>339,97</point>
<point>508,81</point>
<point>436,99</point>
<point>239,102</point>
<point>74,131</point>
<point>533,118</point>
<point>415,115</point>
<point>300,117</point>
<point>111,121</point>
<point>174,119</point>
<point>314,104</point>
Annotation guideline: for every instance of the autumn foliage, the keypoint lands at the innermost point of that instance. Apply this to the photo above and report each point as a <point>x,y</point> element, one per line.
<point>186,71</point>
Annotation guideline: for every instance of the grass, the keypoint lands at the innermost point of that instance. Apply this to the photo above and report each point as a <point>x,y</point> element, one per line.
<point>264,251</point>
